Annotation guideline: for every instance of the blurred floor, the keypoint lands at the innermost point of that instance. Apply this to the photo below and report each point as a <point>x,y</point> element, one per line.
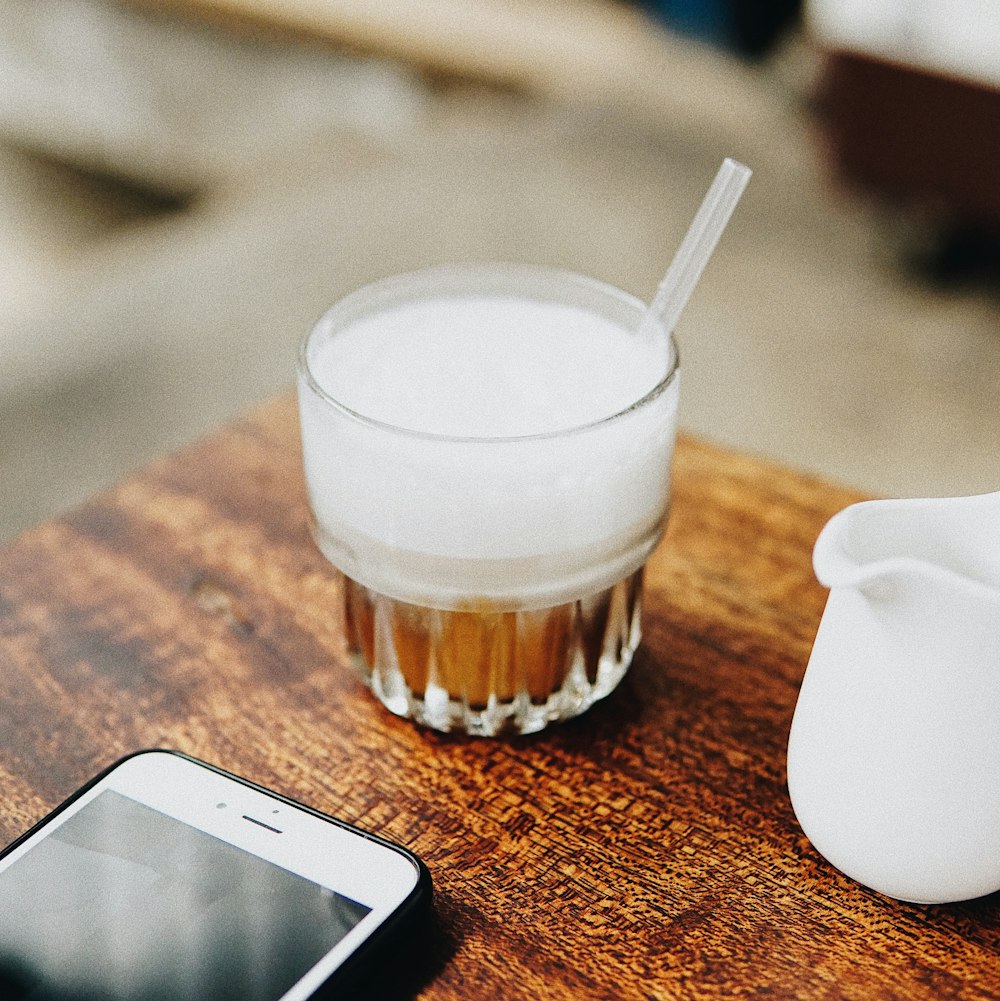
<point>168,235</point>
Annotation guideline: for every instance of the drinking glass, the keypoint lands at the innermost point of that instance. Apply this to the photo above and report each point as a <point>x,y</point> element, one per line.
<point>492,582</point>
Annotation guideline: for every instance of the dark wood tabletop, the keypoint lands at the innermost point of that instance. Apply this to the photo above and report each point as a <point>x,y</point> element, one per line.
<point>644,850</point>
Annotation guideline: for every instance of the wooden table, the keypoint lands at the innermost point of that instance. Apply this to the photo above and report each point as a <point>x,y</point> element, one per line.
<point>645,850</point>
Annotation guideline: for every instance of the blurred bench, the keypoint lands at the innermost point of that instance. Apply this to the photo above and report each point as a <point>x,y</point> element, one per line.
<point>911,100</point>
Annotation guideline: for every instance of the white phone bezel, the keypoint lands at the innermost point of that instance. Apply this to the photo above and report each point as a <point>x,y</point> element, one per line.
<point>346,861</point>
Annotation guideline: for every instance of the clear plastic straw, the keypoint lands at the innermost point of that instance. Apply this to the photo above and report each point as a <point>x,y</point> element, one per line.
<point>696,248</point>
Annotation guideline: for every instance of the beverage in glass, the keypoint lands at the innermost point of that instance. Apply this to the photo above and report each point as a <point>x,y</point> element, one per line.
<point>487,452</point>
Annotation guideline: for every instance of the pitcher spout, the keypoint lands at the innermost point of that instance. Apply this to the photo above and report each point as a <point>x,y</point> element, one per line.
<point>872,543</point>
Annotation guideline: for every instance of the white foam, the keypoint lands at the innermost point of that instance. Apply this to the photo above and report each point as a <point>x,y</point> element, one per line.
<point>489,367</point>
<point>518,521</point>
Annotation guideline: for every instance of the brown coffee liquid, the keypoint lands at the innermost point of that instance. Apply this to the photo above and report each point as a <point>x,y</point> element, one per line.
<point>481,656</point>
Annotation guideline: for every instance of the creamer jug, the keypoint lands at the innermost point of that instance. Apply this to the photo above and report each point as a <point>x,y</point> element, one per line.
<point>894,750</point>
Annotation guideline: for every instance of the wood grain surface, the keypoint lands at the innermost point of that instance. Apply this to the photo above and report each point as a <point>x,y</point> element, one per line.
<point>644,850</point>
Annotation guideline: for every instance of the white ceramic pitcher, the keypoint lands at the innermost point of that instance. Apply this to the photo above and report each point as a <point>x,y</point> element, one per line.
<point>894,751</point>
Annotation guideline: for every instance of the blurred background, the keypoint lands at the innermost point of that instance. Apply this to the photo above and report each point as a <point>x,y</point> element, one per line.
<point>186,186</point>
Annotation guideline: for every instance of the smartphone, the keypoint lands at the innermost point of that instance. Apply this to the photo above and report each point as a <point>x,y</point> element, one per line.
<point>167,878</point>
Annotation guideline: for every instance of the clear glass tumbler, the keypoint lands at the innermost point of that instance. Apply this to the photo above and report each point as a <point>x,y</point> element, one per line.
<point>492,582</point>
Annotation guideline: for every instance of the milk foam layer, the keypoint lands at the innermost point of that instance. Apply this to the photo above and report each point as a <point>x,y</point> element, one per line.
<point>487,366</point>
<point>512,522</point>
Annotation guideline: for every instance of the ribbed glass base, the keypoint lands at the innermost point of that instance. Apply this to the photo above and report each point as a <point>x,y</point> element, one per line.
<point>487,672</point>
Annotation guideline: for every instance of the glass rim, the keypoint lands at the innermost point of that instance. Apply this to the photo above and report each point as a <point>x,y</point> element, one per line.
<point>426,276</point>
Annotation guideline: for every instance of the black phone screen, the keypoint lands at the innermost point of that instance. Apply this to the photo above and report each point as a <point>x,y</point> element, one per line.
<point>123,902</point>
